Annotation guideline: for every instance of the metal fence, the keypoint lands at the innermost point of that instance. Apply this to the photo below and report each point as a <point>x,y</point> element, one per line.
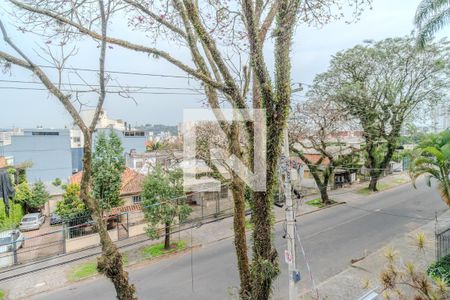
<point>53,240</point>
<point>442,242</point>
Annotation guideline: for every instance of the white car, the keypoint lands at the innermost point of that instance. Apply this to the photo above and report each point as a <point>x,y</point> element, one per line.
<point>7,239</point>
<point>32,221</point>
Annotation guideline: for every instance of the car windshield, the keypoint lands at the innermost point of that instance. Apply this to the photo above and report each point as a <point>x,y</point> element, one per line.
<point>29,219</point>
<point>5,240</point>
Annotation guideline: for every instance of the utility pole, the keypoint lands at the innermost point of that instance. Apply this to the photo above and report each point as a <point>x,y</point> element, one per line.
<point>290,254</point>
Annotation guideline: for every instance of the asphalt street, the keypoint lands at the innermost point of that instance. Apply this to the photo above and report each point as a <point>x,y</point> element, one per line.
<point>330,237</point>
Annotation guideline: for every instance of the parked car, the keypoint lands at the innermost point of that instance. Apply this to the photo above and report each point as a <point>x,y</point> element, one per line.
<point>7,239</point>
<point>32,221</point>
<point>55,219</point>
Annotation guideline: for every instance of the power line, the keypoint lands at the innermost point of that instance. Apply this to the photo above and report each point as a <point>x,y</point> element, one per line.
<point>112,86</point>
<point>120,72</point>
<point>108,91</point>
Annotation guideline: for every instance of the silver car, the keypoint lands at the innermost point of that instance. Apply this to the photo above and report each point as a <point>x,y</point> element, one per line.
<point>7,239</point>
<point>32,221</point>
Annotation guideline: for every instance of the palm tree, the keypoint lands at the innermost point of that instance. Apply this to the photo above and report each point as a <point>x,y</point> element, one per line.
<point>433,158</point>
<point>431,16</point>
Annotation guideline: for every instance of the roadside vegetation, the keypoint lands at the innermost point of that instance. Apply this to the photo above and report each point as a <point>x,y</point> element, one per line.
<point>383,186</point>
<point>406,280</point>
<point>440,270</point>
<point>432,159</point>
<point>317,202</point>
<point>158,250</point>
<point>145,253</point>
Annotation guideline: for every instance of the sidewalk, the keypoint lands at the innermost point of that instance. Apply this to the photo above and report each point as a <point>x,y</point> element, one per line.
<point>52,273</point>
<point>364,275</point>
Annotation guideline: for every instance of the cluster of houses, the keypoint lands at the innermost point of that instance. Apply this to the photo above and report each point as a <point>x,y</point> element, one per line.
<point>57,153</point>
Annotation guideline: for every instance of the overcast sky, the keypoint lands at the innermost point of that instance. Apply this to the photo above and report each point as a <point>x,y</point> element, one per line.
<point>311,53</point>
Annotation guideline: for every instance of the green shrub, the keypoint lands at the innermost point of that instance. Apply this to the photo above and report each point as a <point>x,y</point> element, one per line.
<point>440,269</point>
<point>15,215</point>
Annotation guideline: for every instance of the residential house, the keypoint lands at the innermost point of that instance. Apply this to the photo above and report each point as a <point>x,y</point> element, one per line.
<point>342,176</point>
<point>130,192</point>
<point>144,162</point>
<point>56,194</point>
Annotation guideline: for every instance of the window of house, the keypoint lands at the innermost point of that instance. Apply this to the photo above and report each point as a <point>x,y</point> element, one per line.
<point>44,133</point>
<point>76,139</point>
<point>137,199</point>
<point>139,164</point>
<point>134,133</point>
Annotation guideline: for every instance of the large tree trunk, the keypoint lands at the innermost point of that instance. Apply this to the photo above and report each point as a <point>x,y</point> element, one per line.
<point>240,239</point>
<point>110,262</point>
<point>167,236</point>
<point>265,264</point>
<point>374,176</point>
<point>324,195</point>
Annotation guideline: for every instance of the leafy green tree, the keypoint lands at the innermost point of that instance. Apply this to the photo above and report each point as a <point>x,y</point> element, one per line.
<point>381,85</point>
<point>57,182</point>
<point>314,126</point>
<point>108,164</point>
<point>432,157</point>
<point>71,203</point>
<point>39,196</point>
<point>431,16</point>
<point>161,193</point>
<point>23,193</point>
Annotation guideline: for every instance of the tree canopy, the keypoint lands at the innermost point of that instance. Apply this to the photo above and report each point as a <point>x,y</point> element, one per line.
<point>431,16</point>
<point>380,85</point>
<point>163,201</point>
<point>71,204</point>
<point>108,164</point>
<point>432,157</point>
<point>39,195</point>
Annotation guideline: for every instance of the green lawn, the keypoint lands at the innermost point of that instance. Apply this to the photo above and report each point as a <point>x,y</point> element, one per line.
<point>83,271</point>
<point>317,202</point>
<point>125,259</point>
<point>2,294</point>
<point>382,186</point>
<point>158,249</point>
<point>88,269</point>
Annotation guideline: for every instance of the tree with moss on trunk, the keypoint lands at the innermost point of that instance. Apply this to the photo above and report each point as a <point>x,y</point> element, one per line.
<point>108,164</point>
<point>211,32</point>
<point>110,263</point>
<point>314,127</point>
<point>381,85</point>
<point>164,202</point>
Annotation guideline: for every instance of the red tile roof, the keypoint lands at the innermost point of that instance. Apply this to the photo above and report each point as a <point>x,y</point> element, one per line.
<point>313,158</point>
<point>2,161</point>
<point>127,208</point>
<point>131,181</point>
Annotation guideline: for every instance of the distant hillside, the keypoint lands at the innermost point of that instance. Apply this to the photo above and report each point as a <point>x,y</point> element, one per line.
<point>158,128</point>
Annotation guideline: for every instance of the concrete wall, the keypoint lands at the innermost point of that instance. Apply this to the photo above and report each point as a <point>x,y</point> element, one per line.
<point>137,230</point>
<point>50,206</point>
<point>50,154</point>
<point>128,142</point>
<point>87,241</point>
